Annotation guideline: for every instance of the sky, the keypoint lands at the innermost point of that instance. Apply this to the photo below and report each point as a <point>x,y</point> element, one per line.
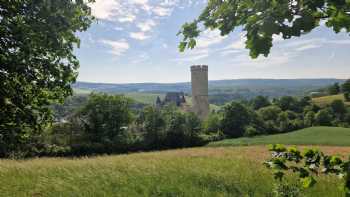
<point>135,41</point>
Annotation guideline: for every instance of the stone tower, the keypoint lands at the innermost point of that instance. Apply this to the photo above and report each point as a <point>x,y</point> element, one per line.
<point>199,79</point>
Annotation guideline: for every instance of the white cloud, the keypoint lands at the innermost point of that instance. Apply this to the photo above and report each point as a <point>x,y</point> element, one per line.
<point>209,37</point>
<point>143,3</point>
<point>143,57</point>
<point>229,52</point>
<point>117,47</point>
<point>340,42</point>
<point>162,11</point>
<point>307,47</point>
<point>127,18</point>
<point>275,59</point>
<point>146,25</point>
<point>169,3</point>
<point>277,38</point>
<point>118,28</point>
<point>105,9</point>
<point>139,35</point>
<point>192,55</point>
<point>238,44</point>
<point>139,2</point>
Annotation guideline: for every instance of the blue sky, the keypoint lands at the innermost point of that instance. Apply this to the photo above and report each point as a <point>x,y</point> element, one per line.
<point>135,41</point>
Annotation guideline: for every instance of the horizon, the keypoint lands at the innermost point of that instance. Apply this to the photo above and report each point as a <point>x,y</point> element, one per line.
<point>150,82</point>
<point>135,42</point>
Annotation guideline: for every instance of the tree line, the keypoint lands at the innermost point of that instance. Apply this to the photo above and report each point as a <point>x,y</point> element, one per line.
<point>107,124</point>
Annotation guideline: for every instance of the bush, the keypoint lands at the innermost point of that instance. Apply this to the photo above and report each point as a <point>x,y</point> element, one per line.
<point>251,131</point>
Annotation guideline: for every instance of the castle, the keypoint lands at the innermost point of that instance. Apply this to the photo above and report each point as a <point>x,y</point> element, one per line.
<point>200,102</point>
<point>199,81</point>
<point>176,98</point>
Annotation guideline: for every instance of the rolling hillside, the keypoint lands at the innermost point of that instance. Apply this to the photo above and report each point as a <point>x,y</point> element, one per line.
<point>333,136</point>
<point>326,100</point>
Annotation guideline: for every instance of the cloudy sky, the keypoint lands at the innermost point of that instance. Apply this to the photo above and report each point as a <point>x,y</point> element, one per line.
<point>135,41</point>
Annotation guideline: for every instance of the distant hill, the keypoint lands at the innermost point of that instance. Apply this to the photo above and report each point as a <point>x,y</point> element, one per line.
<point>326,100</point>
<point>220,91</point>
<point>217,84</point>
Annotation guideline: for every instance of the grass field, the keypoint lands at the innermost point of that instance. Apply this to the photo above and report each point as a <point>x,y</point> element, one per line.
<point>146,98</point>
<point>220,171</point>
<point>333,136</point>
<point>326,100</point>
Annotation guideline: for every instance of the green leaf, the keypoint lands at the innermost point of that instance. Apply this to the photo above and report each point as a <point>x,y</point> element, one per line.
<point>308,182</point>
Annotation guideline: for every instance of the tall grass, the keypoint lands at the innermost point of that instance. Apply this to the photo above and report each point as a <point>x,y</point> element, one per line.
<point>231,171</point>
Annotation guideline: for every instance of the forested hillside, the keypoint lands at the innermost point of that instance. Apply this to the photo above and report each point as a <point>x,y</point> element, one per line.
<point>220,91</point>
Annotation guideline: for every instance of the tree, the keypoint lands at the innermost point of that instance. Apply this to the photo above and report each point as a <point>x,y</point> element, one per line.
<point>270,112</point>
<point>323,118</point>
<point>213,123</point>
<point>346,89</point>
<point>154,128</point>
<point>175,130</point>
<point>260,102</point>
<point>309,119</point>
<point>284,122</point>
<point>289,103</point>
<point>235,118</point>
<point>262,20</point>
<point>339,109</point>
<point>37,64</point>
<point>104,117</point>
<point>334,89</point>
<point>193,127</point>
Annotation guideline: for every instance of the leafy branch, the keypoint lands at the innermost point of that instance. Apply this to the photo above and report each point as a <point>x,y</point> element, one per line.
<point>307,165</point>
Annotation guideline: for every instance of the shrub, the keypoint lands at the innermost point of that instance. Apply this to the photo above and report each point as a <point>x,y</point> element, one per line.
<point>251,131</point>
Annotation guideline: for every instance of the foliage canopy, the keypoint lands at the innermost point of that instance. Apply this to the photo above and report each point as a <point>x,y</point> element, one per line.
<point>262,19</point>
<point>37,64</point>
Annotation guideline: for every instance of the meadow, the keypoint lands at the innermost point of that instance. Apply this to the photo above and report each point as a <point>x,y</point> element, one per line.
<point>326,100</point>
<point>227,168</point>
<point>333,136</point>
<point>207,171</point>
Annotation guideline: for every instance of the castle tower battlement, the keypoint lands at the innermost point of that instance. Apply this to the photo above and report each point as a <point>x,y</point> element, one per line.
<point>199,81</point>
